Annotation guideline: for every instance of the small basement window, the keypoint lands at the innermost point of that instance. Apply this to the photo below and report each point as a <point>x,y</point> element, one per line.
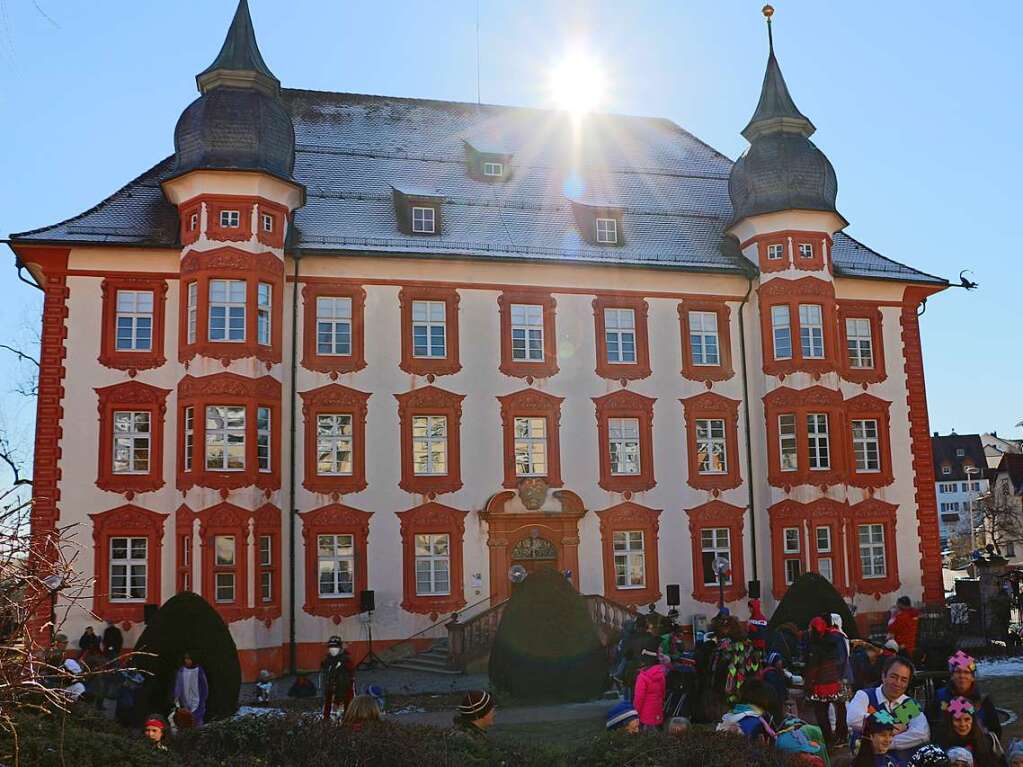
<point>230,219</point>
<point>493,169</point>
<point>423,220</point>
<point>607,231</point>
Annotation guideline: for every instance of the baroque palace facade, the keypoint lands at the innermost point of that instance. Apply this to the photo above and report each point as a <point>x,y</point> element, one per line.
<point>339,343</point>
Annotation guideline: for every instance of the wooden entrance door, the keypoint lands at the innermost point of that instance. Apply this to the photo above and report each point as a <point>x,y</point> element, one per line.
<point>535,554</point>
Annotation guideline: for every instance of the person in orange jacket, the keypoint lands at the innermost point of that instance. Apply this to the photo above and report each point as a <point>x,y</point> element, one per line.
<point>902,626</point>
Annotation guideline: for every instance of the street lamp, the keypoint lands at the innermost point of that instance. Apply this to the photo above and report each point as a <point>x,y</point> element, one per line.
<point>53,583</point>
<point>721,567</point>
<point>971,471</point>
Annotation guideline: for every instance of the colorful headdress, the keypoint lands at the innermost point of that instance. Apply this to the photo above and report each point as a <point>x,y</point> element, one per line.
<point>879,721</point>
<point>961,661</point>
<point>961,707</point>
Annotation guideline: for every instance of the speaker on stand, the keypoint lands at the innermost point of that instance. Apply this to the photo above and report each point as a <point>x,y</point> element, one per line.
<point>367,603</point>
<point>674,599</point>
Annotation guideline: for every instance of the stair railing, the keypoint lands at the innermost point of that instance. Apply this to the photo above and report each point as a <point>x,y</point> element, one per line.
<point>404,648</point>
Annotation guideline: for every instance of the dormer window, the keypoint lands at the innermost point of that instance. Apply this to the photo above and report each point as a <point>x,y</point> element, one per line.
<point>423,220</point>
<point>487,161</point>
<point>607,231</point>
<point>268,223</point>
<point>230,219</point>
<point>775,252</point>
<point>493,169</point>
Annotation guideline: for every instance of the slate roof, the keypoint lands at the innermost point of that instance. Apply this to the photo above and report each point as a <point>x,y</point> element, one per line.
<point>944,449</point>
<point>351,149</point>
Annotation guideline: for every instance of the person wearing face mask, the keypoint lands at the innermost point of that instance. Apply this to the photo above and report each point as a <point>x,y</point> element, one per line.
<point>338,676</point>
<point>191,689</point>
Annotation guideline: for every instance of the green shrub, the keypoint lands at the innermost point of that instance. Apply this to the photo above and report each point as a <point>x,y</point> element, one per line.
<point>546,646</point>
<point>187,623</point>
<point>657,749</point>
<point>812,595</point>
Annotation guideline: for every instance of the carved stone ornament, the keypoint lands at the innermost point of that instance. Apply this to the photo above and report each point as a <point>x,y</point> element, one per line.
<point>533,492</point>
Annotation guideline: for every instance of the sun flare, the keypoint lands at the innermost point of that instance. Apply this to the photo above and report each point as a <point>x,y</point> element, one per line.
<point>577,82</point>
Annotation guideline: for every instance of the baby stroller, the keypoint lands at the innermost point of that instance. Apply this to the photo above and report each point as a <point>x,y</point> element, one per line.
<point>682,686</point>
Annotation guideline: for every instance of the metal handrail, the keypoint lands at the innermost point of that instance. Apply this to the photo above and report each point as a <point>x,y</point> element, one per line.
<point>454,617</point>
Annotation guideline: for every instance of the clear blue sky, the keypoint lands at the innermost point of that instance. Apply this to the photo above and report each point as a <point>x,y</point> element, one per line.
<point>918,105</point>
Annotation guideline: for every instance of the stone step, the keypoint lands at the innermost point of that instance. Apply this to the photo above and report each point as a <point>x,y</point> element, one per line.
<point>414,664</point>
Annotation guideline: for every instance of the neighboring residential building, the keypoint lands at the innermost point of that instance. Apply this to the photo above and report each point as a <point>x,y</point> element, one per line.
<point>995,447</point>
<point>960,473</point>
<point>376,333</point>
<point>1004,508</point>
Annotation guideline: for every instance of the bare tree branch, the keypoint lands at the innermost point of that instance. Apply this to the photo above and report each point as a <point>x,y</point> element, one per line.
<point>20,354</point>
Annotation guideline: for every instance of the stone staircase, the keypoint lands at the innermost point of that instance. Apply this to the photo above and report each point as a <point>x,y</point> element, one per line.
<point>434,660</point>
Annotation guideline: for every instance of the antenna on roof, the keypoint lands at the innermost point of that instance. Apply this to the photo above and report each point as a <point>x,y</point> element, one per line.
<point>768,11</point>
<point>477,53</point>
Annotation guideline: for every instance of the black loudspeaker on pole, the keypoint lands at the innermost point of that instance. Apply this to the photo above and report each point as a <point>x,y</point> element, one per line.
<point>673,597</point>
<point>367,601</point>
<point>753,588</point>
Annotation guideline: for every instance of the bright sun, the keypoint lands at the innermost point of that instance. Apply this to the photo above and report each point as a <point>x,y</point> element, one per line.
<point>577,82</point>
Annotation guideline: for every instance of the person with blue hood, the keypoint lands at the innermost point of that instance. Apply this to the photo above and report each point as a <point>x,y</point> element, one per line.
<point>623,716</point>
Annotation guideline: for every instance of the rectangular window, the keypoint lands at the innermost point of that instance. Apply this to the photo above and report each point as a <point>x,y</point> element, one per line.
<point>264,298</point>
<point>623,442</point>
<point>527,332</point>
<point>805,250</point>
<point>433,565</point>
<point>703,338</point>
<point>333,325</point>
<point>193,310</point>
<point>268,223</point>
<point>859,343</point>
<point>224,555</point>
<point>826,569</point>
<point>817,443</point>
<point>946,470</point>
<point>230,219</point>
<point>823,540</point>
<point>266,551</point>
<point>493,169</point>
<point>793,569</point>
<point>128,569</point>
<point>225,586</point>
<point>630,560</point>
<point>223,550</point>
<point>873,563</point>
<point>193,222</point>
<point>225,438</point>
<point>334,443</point>
<point>811,331</point>
<point>227,310</point>
<point>430,444</point>
<point>711,446</point>
<point>775,252</point>
<point>620,335</point>
<point>715,542</point>
<point>423,220</point>
<point>607,231</point>
<point>782,329</point>
<point>266,586</point>
<point>335,556</point>
<point>866,446</point>
<point>263,438</point>
<point>530,447</point>
<point>429,329</point>
<point>791,540</point>
<point>131,441</point>
<point>134,321</point>
<point>787,442</point>
<point>265,560</point>
<point>185,573</point>
<point>189,437</point>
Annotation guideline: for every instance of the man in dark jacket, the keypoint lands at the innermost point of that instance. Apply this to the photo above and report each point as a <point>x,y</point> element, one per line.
<point>113,641</point>
<point>338,679</point>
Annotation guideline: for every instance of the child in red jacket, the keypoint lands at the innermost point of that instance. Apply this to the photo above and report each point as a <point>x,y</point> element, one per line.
<point>651,687</point>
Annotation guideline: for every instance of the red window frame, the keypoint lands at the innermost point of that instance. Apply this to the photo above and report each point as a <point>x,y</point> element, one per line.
<point>707,373</point>
<point>335,519</point>
<point>626,404</point>
<point>714,406</point>
<point>792,293</point>
<point>868,407</point>
<point>800,403</point>
<point>135,396</point>
<point>824,512</point>
<point>432,518</point>
<point>422,366</point>
<point>521,368</point>
<point>235,390</point>
<point>874,512</point>
<point>215,203</point>
<point>185,212</point>
<point>531,403</point>
<point>630,516</point>
<point>230,263</point>
<point>334,398</point>
<point>126,521</point>
<point>430,400</point>
<point>226,519</point>
<point>132,361</point>
<point>718,514</point>
<point>629,371</point>
<point>871,312</point>
<point>790,240</point>
<point>327,363</point>
<point>279,214</point>
<point>267,522</point>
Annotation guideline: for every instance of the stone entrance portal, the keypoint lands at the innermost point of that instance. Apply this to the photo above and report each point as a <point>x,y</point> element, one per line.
<point>532,528</point>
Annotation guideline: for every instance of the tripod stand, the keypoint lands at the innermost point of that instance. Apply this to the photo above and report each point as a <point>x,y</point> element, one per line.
<point>370,660</point>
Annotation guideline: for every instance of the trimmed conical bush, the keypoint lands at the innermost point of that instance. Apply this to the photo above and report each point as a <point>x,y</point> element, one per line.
<point>812,595</point>
<point>188,623</point>
<point>546,646</point>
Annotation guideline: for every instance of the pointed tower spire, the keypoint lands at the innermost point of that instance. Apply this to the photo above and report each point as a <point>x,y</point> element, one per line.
<point>239,63</point>
<point>776,112</point>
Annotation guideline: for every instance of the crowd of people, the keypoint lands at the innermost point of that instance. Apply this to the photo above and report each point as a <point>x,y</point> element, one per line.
<point>854,695</point>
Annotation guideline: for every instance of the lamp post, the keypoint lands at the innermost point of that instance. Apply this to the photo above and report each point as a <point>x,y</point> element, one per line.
<point>721,568</point>
<point>53,583</point>
<point>971,471</point>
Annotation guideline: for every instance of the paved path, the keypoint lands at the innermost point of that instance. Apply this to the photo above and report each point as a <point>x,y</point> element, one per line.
<point>566,712</point>
<point>394,681</point>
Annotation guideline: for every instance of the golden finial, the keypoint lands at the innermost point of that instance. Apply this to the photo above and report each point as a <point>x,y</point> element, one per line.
<point>768,11</point>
